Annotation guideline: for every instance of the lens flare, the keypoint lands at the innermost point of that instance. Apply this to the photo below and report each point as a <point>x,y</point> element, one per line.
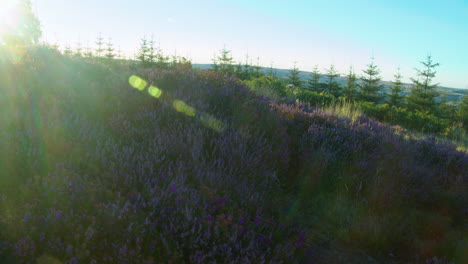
<point>154,91</point>
<point>213,123</point>
<point>180,106</point>
<point>137,82</point>
<point>190,111</point>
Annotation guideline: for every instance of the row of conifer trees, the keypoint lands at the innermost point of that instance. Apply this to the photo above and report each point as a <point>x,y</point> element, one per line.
<point>421,96</point>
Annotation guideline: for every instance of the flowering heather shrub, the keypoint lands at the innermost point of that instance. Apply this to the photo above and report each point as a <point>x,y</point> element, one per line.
<point>106,174</point>
<point>366,161</point>
<point>92,170</point>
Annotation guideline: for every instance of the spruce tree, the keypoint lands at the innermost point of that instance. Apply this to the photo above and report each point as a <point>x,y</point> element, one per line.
<point>238,71</point>
<point>371,87</point>
<point>78,50</point>
<point>68,51</point>
<point>162,61</point>
<point>100,46</point>
<point>271,71</point>
<point>350,90</point>
<point>88,52</point>
<point>109,49</point>
<point>55,46</point>
<point>119,53</point>
<point>225,62</point>
<point>142,55</point>
<point>215,64</point>
<point>423,95</point>
<point>396,98</point>
<point>293,76</point>
<point>151,54</point>
<point>247,68</point>
<point>332,85</point>
<point>257,69</point>
<point>175,59</point>
<point>314,82</point>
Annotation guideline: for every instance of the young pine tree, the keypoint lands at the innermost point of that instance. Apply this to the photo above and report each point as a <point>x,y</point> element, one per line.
<point>332,85</point>
<point>247,69</point>
<point>68,51</point>
<point>88,52</point>
<point>100,46</point>
<point>257,69</point>
<point>314,82</point>
<point>271,72</point>
<point>395,98</point>
<point>119,55</point>
<point>350,90</point>
<point>175,59</point>
<point>371,87</point>
<point>215,64</point>
<point>78,50</point>
<point>293,77</point>
<point>423,95</point>
<point>151,54</point>
<point>238,71</point>
<point>162,61</point>
<point>225,62</point>
<point>142,55</point>
<point>109,50</point>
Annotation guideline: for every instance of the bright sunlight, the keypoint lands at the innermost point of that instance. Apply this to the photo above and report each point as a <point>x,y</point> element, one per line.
<point>8,15</point>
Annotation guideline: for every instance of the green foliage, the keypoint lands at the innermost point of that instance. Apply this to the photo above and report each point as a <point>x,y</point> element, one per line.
<point>78,51</point>
<point>352,179</point>
<point>109,50</point>
<point>350,91</point>
<point>68,51</point>
<point>100,46</point>
<point>27,29</point>
<point>224,62</point>
<point>416,120</point>
<point>257,69</point>
<point>458,133</point>
<point>271,71</point>
<point>314,81</point>
<point>151,52</point>
<point>267,86</point>
<point>422,96</point>
<point>314,98</point>
<point>446,109</point>
<point>162,61</point>
<point>88,53</point>
<point>293,76</point>
<point>463,111</point>
<point>396,98</point>
<point>371,87</point>
<point>143,51</point>
<point>332,85</point>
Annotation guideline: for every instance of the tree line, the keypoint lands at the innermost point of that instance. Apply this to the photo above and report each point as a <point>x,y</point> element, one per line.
<point>419,106</point>
<point>422,108</point>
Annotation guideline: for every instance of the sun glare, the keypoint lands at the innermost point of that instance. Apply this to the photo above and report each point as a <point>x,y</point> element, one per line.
<point>8,14</point>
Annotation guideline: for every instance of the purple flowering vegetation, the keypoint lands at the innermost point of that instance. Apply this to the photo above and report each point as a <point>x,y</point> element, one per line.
<point>182,165</point>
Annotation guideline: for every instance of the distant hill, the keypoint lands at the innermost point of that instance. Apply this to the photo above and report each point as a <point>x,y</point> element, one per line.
<point>452,94</point>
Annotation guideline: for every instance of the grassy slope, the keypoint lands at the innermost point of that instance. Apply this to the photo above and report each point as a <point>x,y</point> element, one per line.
<point>92,169</point>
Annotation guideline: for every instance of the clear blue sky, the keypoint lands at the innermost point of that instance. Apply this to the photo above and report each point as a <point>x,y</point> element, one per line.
<point>398,33</point>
